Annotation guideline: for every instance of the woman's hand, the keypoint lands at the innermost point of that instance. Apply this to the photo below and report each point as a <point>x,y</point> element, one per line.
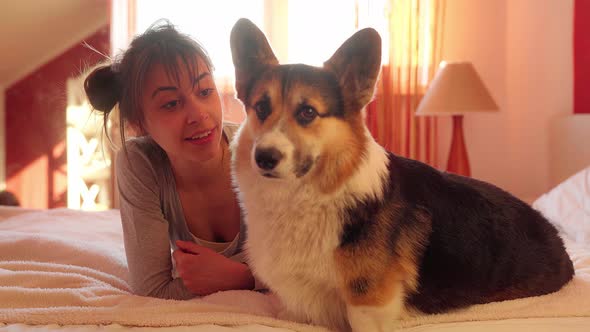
<point>203,271</point>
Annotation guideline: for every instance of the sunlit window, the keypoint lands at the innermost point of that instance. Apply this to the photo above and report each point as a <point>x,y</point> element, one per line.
<point>300,31</point>
<point>209,22</point>
<point>317,28</point>
<point>88,155</point>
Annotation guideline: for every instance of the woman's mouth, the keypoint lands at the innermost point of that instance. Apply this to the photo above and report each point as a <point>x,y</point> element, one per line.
<point>201,137</point>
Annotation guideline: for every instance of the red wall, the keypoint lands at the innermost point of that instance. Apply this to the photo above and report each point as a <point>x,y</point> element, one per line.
<point>581,56</point>
<point>36,125</point>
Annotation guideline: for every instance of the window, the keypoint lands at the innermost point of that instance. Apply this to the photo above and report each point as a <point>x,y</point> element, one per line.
<point>314,33</point>
<point>209,22</point>
<point>299,31</point>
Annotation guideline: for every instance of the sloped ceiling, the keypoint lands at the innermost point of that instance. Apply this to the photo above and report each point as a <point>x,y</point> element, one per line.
<point>32,32</point>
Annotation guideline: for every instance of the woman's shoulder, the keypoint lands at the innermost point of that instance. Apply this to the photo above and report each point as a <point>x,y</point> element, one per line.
<point>141,153</point>
<point>139,170</point>
<point>141,144</point>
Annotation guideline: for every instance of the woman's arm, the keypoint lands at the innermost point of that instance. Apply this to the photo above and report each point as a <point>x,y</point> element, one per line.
<point>204,271</point>
<point>145,231</point>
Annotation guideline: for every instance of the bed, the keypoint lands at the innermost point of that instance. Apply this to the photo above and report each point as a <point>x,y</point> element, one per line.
<point>65,270</point>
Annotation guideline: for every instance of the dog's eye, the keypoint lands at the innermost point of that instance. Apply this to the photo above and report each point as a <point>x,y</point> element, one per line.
<point>262,109</point>
<point>306,114</point>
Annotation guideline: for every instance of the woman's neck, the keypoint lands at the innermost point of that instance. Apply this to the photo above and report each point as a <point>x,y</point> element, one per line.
<point>191,175</point>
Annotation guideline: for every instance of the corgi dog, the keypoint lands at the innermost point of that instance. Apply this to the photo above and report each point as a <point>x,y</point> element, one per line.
<point>350,236</point>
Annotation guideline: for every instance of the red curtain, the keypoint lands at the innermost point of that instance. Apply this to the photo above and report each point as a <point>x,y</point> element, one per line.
<point>582,56</point>
<point>415,43</point>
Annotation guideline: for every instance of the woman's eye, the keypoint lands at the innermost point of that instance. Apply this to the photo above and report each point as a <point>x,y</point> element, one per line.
<point>206,92</point>
<point>171,104</point>
<point>306,114</point>
<point>262,109</point>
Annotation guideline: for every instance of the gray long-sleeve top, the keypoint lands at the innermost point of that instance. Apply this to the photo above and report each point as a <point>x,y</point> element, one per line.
<point>153,219</point>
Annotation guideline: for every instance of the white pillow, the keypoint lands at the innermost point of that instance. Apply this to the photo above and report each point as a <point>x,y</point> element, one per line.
<point>568,206</point>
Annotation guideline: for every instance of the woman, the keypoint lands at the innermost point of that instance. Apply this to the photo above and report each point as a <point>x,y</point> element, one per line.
<point>174,178</point>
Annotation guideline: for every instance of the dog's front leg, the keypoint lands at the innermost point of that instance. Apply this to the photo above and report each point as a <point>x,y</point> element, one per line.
<point>374,302</point>
<point>375,318</point>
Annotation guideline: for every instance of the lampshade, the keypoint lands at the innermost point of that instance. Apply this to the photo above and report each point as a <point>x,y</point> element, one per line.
<point>456,89</point>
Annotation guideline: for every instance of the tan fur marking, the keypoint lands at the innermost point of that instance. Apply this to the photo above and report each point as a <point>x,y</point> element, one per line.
<point>407,263</point>
<point>242,154</point>
<point>343,146</point>
<point>268,86</point>
<point>387,274</point>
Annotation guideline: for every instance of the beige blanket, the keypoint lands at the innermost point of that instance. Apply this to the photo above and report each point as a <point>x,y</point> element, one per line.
<point>68,267</point>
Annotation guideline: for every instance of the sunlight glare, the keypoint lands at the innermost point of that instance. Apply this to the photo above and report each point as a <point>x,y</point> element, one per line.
<point>209,22</point>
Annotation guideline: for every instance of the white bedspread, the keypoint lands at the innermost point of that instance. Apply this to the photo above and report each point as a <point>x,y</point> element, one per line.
<point>68,267</point>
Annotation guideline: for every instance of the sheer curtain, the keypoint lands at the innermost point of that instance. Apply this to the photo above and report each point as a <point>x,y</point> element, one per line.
<point>414,44</point>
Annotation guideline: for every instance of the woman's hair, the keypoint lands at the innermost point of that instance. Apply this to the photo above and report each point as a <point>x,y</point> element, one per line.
<point>122,81</point>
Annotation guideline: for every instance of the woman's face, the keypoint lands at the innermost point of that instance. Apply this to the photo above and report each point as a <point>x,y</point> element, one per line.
<point>183,117</point>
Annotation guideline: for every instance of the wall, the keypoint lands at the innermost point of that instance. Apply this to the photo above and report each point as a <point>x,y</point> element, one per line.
<point>522,50</point>
<point>37,31</point>
<point>475,31</point>
<point>36,125</point>
<point>2,139</point>
<point>540,84</point>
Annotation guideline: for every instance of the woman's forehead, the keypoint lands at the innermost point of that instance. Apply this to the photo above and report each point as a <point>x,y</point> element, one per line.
<point>180,70</point>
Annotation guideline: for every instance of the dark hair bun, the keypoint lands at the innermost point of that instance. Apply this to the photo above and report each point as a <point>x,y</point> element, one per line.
<point>102,88</point>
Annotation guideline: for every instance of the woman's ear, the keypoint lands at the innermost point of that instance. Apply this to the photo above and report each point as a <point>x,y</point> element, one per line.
<point>251,54</point>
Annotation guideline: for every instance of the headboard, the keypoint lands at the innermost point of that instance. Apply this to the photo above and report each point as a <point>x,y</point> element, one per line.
<point>569,146</point>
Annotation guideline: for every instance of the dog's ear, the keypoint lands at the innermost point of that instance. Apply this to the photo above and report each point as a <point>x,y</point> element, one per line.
<point>251,53</point>
<point>356,65</point>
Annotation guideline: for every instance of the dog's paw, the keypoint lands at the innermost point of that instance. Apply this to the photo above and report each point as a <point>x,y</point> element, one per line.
<point>280,311</point>
<point>286,314</point>
<point>373,319</point>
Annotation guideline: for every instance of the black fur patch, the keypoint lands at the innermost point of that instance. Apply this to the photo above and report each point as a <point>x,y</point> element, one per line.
<point>359,286</point>
<point>303,167</point>
<point>360,224</point>
<point>484,244</point>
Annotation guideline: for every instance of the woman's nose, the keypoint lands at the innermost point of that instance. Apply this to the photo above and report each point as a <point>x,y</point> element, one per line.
<point>196,112</point>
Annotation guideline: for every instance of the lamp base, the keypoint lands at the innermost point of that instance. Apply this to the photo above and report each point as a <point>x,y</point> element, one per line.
<point>458,162</point>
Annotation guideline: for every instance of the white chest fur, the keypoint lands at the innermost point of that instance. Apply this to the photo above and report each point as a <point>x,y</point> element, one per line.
<point>292,236</point>
<point>291,243</point>
<point>293,232</point>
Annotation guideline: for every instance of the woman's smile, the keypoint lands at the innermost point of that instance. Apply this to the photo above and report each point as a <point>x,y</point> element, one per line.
<point>202,137</point>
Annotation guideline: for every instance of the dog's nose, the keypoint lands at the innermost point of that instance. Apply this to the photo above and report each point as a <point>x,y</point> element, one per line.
<point>267,159</point>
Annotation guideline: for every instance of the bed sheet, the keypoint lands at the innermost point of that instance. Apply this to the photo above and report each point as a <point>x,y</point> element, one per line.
<point>65,270</point>
<point>576,324</point>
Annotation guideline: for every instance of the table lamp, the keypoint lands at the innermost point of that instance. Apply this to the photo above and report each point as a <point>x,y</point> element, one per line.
<point>456,90</point>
